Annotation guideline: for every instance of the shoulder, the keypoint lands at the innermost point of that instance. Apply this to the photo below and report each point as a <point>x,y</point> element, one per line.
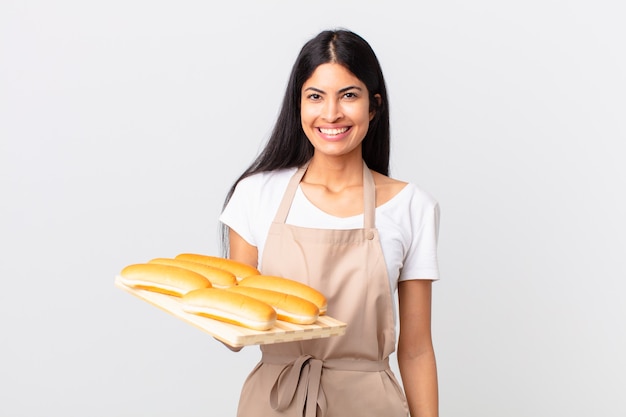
<point>264,180</point>
<point>252,205</point>
<point>389,189</point>
<point>386,188</point>
<point>262,191</point>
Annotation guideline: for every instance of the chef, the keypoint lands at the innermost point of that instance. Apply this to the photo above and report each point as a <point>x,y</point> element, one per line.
<point>317,205</point>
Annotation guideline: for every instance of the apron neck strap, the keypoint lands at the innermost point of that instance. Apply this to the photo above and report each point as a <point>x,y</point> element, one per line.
<point>369,196</point>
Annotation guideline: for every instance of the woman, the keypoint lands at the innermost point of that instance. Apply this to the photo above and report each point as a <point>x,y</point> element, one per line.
<point>317,206</point>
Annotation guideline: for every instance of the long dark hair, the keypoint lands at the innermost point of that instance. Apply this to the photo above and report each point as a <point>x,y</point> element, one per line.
<point>288,146</point>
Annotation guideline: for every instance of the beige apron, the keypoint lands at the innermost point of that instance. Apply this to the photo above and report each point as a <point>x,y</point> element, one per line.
<point>340,376</point>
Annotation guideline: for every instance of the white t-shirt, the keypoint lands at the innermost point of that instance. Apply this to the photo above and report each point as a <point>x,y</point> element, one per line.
<point>408,224</point>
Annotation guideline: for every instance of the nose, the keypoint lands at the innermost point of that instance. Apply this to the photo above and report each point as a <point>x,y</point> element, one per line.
<point>331,111</point>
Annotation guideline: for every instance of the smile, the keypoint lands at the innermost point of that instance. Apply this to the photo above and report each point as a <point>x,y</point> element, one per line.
<point>333,132</point>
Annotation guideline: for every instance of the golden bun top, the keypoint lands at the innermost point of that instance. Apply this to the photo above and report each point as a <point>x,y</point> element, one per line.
<point>239,269</point>
<point>218,277</point>
<point>289,286</point>
<point>225,305</point>
<point>288,307</point>
<point>166,279</point>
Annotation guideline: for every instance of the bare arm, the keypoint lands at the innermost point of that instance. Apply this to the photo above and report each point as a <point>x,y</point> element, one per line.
<point>242,251</point>
<point>416,356</point>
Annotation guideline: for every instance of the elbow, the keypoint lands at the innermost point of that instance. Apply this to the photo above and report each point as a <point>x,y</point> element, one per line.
<point>411,350</point>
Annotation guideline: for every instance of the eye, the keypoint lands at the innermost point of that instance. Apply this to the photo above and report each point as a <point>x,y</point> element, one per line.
<point>351,95</point>
<point>314,97</point>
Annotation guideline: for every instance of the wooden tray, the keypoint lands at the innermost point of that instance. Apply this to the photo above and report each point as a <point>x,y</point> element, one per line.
<point>238,336</point>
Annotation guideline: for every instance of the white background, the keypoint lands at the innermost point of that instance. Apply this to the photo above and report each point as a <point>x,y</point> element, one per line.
<point>123,123</point>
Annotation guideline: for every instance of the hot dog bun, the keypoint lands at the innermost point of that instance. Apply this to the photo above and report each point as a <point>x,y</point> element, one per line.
<point>219,278</point>
<point>288,286</point>
<point>230,307</point>
<point>165,279</point>
<point>288,307</point>
<point>239,269</point>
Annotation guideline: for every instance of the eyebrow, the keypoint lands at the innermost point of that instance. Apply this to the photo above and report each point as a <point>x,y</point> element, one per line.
<point>343,90</point>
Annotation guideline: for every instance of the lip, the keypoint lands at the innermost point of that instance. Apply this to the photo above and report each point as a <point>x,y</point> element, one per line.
<point>334,133</point>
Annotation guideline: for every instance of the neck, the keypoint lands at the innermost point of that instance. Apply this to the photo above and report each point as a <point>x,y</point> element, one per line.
<point>335,173</point>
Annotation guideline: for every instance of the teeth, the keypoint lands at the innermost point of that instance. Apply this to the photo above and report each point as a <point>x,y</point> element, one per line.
<point>333,131</point>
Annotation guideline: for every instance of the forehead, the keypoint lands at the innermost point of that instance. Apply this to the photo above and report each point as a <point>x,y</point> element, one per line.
<point>331,77</point>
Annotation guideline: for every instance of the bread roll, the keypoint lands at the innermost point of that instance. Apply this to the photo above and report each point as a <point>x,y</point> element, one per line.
<point>219,278</point>
<point>288,307</point>
<point>239,269</point>
<point>288,286</point>
<point>230,307</point>
<point>166,279</point>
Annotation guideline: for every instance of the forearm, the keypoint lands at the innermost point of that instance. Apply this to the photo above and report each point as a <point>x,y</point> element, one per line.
<point>419,378</point>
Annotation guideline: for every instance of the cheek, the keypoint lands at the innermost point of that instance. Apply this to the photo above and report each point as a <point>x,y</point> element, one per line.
<point>307,115</point>
<point>362,115</point>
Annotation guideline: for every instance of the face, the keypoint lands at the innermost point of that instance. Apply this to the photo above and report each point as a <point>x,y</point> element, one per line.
<point>335,110</point>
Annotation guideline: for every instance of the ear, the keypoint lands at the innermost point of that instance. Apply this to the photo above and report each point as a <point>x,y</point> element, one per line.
<point>379,101</point>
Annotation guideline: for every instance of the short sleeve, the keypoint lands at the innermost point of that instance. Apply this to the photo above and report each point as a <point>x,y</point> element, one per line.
<point>238,213</point>
<point>421,257</point>
<point>252,207</point>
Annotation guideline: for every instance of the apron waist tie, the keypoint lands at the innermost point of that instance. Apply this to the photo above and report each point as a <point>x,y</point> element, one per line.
<point>307,369</point>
